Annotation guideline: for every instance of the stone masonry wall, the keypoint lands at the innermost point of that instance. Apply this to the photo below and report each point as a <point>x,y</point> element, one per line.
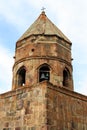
<point>66,110</point>
<point>37,50</point>
<point>23,109</point>
<point>43,107</point>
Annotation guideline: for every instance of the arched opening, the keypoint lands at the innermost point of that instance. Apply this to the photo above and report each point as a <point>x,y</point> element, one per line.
<point>21,76</point>
<point>66,78</point>
<point>44,73</point>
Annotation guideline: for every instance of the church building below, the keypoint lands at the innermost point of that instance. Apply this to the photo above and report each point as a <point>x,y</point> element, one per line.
<point>42,95</point>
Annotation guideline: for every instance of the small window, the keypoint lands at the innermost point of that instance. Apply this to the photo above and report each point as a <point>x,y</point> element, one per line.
<point>44,73</point>
<point>21,77</point>
<point>66,78</point>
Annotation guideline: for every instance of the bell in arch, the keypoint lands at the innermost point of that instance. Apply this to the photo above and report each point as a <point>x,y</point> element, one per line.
<point>47,75</point>
<point>43,76</point>
<point>44,73</point>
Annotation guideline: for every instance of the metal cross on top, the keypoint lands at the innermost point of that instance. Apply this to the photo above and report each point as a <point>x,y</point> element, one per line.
<point>43,9</point>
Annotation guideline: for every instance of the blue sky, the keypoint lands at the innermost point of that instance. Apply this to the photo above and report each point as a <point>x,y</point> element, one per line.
<point>69,15</point>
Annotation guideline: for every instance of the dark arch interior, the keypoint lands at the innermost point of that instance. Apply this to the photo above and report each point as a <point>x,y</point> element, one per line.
<point>44,73</point>
<point>21,77</point>
<point>65,78</point>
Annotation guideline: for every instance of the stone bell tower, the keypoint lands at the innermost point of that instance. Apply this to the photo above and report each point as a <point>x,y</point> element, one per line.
<point>42,96</point>
<point>43,53</point>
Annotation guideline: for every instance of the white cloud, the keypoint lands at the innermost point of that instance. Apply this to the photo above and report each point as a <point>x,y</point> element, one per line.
<point>14,12</point>
<point>82,86</point>
<point>6,63</point>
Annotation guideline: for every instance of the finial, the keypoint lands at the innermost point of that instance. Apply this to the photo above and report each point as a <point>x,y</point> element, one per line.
<point>43,9</point>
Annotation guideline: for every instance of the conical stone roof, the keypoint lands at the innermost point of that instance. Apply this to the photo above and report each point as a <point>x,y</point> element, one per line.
<point>43,26</point>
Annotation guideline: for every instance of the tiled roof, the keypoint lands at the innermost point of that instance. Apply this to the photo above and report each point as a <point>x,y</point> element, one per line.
<point>43,26</point>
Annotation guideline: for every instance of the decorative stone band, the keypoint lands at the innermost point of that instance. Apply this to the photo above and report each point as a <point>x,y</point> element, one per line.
<point>43,57</point>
